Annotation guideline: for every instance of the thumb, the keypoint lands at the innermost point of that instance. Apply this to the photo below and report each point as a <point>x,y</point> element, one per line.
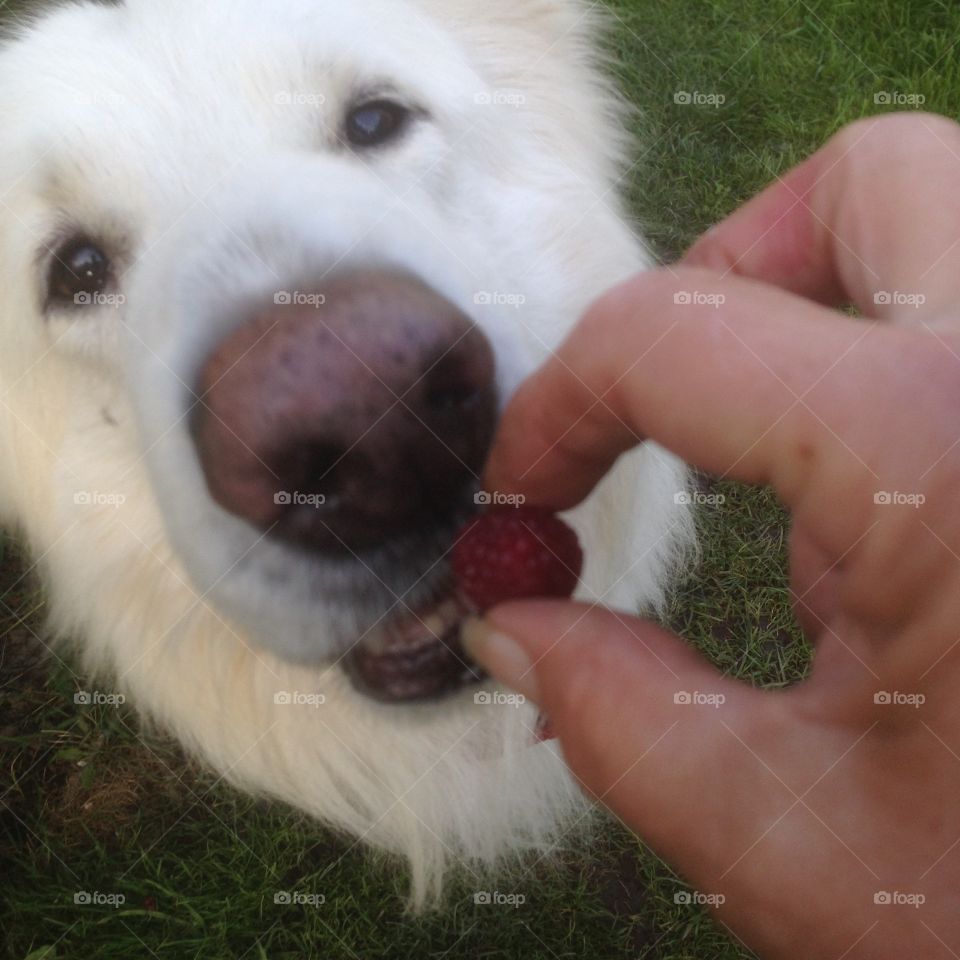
<point>651,730</point>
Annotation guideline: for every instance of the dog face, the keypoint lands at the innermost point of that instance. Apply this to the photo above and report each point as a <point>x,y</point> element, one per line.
<point>268,275</point>
<point>299,269</point>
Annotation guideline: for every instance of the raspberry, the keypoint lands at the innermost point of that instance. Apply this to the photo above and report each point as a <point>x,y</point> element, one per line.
<point>511,553</point>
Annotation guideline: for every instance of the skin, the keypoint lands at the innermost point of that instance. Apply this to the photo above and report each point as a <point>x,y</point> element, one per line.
<point>799,808</point>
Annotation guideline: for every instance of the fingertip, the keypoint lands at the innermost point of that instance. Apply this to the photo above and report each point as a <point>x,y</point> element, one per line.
<point>543,473</point>
<point>536,624</point>
<point>511,450</point>
<point>501,655</point>
<point>706,251</point>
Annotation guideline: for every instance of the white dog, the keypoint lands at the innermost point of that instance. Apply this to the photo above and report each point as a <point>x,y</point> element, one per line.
<point>268,273</point>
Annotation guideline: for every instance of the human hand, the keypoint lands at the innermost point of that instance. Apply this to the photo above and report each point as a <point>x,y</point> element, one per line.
<point>803,807</point>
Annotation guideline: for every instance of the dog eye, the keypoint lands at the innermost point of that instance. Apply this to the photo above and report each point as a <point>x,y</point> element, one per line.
<point>377,122</point>
<point>79,271</point>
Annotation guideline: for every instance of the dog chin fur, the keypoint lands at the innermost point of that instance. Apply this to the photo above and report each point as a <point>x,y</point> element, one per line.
<point>448,786</point>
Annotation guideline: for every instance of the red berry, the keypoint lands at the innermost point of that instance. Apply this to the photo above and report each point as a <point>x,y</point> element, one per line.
<point>512,553</point>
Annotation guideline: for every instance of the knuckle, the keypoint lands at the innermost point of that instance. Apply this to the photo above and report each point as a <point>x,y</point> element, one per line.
<point>896,133</point>
<point>716,251</point>
<point>653,289</point>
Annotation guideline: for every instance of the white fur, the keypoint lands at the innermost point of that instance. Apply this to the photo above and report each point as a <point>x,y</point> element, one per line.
<point>162,125</point>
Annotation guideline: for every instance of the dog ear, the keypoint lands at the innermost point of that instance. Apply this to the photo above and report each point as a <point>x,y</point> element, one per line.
<point>575,20</point>
<point>549,51</point>
<point>549,19</point>
<point>556,17</point>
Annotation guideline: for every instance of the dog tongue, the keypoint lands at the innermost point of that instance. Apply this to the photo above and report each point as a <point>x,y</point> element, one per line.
<point>418,658</point>
<point>503,554</point>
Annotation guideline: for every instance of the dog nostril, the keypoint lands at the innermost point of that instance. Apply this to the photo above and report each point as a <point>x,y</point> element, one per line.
<point>451,386</point>
<point>448,399</point>
<point>310,468</point>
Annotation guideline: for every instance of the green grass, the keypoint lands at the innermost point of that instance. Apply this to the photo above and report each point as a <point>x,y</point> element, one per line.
<point>90,805</point>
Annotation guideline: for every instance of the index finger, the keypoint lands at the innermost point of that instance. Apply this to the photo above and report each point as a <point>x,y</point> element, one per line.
<point>870,219</point>
<point>736,377</point>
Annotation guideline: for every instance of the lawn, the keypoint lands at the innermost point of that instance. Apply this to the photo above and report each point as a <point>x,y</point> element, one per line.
<point>90,803</point>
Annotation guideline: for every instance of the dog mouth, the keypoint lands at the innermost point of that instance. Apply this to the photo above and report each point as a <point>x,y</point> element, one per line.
<point>416,656</point>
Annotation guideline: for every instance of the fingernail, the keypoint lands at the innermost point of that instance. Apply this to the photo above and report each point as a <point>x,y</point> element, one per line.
<point>502,656</point>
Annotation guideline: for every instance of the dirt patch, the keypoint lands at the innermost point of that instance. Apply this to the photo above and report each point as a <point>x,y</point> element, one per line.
<point>624,890</point>
<point>104,797</point>
<point>67,775</point>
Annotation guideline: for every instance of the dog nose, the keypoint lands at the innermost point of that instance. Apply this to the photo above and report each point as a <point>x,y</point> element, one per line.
<point>346,417</point>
